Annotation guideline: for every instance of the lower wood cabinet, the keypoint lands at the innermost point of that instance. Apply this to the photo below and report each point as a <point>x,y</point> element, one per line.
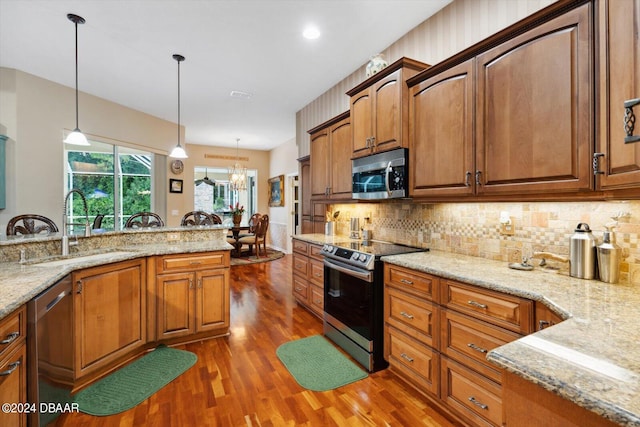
<point>13,367</point>
<point>308,276</point>
<point>192,295</point>
<point>437,335</point>
<point>110,313</point>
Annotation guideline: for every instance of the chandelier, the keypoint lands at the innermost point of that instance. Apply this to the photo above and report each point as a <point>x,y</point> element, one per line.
<point>237,174</point>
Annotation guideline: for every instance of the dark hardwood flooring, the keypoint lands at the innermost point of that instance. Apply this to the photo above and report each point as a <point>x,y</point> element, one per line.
<point>239,381</point>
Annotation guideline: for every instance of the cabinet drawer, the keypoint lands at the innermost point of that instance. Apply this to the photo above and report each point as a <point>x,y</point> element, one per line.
<point>415,361</point>
<point>300,288</point>
<point>504,310</point>
<point>300,265</point>
<point>412,281</point>
<point>13,331</point>
<point>314,252</point>
<point>13,385</point>
<point>468,341</point>
<point>300,247</point>
<point>316,295</point>
<point>471,394</point>
<point>413,316</point>
<point>316,272</point>
<point>191,262</point>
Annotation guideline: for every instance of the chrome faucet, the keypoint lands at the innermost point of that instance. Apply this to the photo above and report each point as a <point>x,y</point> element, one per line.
<point>65,224</point>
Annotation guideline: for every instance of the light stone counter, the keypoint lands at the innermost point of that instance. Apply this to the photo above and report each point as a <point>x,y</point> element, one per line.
<point>592,358</point>
<point>322,239</point>
<point>19,283</point>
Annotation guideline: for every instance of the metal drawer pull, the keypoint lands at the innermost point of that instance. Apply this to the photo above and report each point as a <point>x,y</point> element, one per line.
<point>543,324</point>
<point>195,262</point>
<point>407,315</point>
<point>10,338</point>
<point>476,304</point>
<point>467,179</point>
<point>595,164</point>
<point>406,282</point>
<point>476,348</point>
<point>12,367</point>
<point>478,404</point>
<point>407,358</point>
<point>298,289</point>
<point>630,120</point>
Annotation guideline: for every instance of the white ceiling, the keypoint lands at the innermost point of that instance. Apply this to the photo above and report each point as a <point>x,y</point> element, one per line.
<point>254,46</point>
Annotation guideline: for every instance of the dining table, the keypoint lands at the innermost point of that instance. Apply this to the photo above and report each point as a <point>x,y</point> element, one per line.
<point>235,233</point>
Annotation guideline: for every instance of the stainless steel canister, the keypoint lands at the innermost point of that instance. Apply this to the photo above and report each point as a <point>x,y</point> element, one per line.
<point>355,228</point>
<point>582,253</point>
<point>609,254</point>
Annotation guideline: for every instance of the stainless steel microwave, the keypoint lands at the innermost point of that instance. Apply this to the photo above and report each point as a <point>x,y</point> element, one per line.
<point>381,176</point>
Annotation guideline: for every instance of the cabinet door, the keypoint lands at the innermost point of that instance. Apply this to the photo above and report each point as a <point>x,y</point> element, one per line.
<point>340,162</point>
<point>619,81</point>
<point>320,164</point>
<point>441,134</point>
<point>13,386</point>
<point>305,192</point>
<point>361,124</point>
<point>212,300</point>
<point>387,112</point>
<point>175,302</point>
<point>534,116</point>
<point>110,313</point>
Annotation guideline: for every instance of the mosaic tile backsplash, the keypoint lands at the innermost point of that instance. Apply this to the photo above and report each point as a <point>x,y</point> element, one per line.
<point>474,228</point>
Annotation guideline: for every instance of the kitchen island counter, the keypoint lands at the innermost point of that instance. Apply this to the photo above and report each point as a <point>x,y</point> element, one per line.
<point>591,358</point>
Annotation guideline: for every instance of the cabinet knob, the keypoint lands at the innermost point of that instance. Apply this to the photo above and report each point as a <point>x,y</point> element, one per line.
<point>630,121</point>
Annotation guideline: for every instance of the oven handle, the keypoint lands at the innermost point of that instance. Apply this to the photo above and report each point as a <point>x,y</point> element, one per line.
<point>366,276</point>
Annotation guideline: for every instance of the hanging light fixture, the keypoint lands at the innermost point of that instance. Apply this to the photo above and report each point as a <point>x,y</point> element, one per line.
<point>237,174</point>
<point>76,137</point>
<point>178,152</point>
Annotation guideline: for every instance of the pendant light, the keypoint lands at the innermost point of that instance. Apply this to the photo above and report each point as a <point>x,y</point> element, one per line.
<point>178,152</point>
<point>76,137</point>
<point>237,173</point>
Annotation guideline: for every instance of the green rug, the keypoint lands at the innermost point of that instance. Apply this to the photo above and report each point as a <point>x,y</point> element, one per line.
<point>317,365</point>
<point>133,384</point>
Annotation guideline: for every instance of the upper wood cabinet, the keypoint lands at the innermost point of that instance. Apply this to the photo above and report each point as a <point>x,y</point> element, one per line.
<point>331,159</point>
<point>379,109</point>
<point>534,115</point>
<point>441,156</point>
<point>619,81</point>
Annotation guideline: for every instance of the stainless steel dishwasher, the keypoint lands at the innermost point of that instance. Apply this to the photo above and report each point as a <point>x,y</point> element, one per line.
<point>50,356</point>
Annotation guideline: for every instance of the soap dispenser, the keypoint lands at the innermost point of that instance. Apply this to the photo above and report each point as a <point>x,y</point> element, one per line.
<point>609,255</point>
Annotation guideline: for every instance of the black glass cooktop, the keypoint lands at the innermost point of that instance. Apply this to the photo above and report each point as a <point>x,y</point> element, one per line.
<point>378,248</point>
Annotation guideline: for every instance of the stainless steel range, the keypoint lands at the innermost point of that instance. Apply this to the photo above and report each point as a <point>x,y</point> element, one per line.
<point>353,297</point>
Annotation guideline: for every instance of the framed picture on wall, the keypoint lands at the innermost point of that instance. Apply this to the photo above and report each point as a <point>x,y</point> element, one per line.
<point>276,191</point>
<point>175,185</point>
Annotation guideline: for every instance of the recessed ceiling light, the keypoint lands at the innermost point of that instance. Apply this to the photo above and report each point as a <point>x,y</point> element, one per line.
<point>311,33</point>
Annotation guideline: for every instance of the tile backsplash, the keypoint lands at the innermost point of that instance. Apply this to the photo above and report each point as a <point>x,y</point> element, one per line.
<point>474,228</point>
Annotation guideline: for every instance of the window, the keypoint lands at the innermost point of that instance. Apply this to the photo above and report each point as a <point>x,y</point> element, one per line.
<point>116,181</point>
<point>212,193</point>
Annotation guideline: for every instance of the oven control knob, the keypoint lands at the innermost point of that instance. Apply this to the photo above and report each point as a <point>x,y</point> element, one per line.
<point>328,248</point>
<point>363,257</point>
<point>354,256</point>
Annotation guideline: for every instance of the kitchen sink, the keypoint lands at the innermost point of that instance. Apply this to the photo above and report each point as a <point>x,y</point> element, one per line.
<point>80,258</point>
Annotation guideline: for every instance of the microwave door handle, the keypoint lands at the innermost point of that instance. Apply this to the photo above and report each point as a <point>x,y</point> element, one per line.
<point>386,178</point>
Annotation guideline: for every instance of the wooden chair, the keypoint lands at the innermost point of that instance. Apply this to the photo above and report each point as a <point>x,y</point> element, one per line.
<point>195,218</point>
<point>253,223</point>
<point>97,222</point>
<point>31,224</point>
<point>144,220</point>
<point>258,238</point>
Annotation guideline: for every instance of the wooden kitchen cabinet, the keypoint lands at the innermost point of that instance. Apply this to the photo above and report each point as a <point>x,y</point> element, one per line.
<point>441,134</point>
<point>109,313</point>
<point>331,159</point>
<point>192,295</point>
<point>306,213</point>
<point>13,366</point>
<point>545,318</point>
<point>380,109</point>
<point>534,116</point>
<point>308,276</point>
<point>619,81</point>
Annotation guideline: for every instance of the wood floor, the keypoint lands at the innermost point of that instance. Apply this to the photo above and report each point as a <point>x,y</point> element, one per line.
<point>239,381</point>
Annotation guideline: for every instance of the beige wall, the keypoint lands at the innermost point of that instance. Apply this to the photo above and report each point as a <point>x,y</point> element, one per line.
<point>458,26</point>
<point>34,115</point>
<point>280,217</point>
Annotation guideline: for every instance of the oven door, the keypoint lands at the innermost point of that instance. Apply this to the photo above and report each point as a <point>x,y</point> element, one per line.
<point>348,298</point>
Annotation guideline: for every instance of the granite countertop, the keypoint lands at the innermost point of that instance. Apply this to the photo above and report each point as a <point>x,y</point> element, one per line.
<point>19,283</point>
<point>591,358</point>
<point>322,239</point>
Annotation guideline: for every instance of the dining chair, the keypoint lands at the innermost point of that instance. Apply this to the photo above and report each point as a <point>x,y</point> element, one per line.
<point>195,218</point>
<point>258,238</point>
<point>97,222</point>
<point>30,224</point>
<point>144,220</point>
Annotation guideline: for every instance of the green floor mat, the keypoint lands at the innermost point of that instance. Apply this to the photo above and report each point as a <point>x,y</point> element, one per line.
<point>317,365</point>
<point>131,385</point>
